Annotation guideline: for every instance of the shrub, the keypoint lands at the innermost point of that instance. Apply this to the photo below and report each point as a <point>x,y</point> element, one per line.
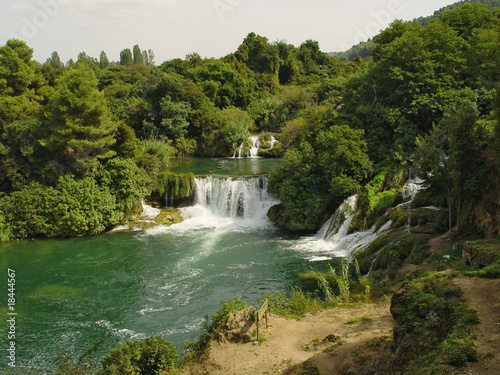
<point>126,181</point>
<point>150,356</point>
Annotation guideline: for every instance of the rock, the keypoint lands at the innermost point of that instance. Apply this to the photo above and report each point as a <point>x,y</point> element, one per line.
<point>237,327</point>
<point>477,257</point>
<point>169,216</point>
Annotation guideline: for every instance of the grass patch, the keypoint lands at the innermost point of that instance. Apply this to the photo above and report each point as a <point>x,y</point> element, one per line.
<point>295,305</point>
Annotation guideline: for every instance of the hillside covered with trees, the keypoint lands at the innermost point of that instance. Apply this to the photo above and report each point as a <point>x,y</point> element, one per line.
<point>82,143</point>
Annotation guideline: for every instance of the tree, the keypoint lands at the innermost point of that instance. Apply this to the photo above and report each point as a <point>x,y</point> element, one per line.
<point>22,89</point>
<point>322,166</point>
<point>55,61</point>
<point>138,56</point>
<point>126,58</point>
<point>80,128</point>
<point>151,58</point>
<point>174,117</point>
<point>451,161</point>
<point>103,60</point>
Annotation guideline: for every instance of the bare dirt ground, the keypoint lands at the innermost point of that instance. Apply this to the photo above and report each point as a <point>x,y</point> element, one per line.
<point>484,297</point>
<point>289,342</point>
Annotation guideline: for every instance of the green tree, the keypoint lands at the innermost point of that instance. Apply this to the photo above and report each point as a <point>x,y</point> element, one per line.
<point>79,125</point>
<point>126,181</point>
<point>175,117</point>
<point>137,55</point>
<point>126,58</point>
<point>22,89</point>
<point>103,60</point>
<point>235,125</point>
<point>322,166</point>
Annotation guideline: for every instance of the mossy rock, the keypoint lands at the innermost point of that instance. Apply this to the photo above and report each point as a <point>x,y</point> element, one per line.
<point>144,225</point>
<point>169,216</point>
<point>179,188</point>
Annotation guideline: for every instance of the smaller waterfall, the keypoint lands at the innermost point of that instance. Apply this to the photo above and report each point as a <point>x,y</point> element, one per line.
<point>333,238</point>
<point>338,225</point>
<point>272,142</point>
<point>412,187</point>
<point>239,151</point>
<point>254,150</point>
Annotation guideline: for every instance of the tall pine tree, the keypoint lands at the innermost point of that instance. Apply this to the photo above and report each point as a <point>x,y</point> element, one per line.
<point>80,128</point>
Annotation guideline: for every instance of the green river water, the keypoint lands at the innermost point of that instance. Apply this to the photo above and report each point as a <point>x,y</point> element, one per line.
<point>73,294</point>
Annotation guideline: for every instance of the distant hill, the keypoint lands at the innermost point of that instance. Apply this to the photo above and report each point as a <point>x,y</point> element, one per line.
<point>364,49</point>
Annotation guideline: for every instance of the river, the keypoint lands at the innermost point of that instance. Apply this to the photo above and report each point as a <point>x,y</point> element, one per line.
<point>75,293</point>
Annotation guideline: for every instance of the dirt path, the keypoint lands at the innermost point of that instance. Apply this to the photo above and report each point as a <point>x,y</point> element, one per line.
<point>484,296</point>
<point>289,342</point>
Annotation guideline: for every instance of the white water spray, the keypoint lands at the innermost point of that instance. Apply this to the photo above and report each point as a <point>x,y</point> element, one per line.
<point>254,150</point>
<point>234,197</point>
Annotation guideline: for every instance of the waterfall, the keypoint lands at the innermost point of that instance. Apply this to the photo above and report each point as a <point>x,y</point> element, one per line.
<point>412,187</point>
<point>148,212</point>
<point>272,142</point>
<point>239,151</point>
<point>254,150</point>
<point>333,238</point>
<point>234,197</point>
<point>338,225</point>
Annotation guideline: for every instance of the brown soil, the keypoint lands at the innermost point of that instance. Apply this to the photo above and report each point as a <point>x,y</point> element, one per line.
<point>289,342</point>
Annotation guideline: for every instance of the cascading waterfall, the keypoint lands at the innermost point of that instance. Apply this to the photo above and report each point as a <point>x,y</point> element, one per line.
<point>234,197</point>
<point>335,231</point>
<point>254,150</point>
<point>334,239</point>
<point>272,142</point>
<point>338,225</point>
<point>239,151</point>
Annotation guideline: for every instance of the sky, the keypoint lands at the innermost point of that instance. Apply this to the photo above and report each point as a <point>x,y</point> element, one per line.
<point>211,28</point>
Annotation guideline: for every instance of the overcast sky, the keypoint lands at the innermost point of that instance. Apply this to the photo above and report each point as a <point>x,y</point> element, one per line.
<point>212,28</point>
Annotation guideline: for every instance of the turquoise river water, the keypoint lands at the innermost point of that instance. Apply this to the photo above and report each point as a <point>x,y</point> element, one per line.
<point>75,293</point>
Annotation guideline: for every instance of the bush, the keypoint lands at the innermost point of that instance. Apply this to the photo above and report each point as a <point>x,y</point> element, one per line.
<point>432,325</point>
<point>126,181</point>
<point>150,356</point>
<point>71,208</point>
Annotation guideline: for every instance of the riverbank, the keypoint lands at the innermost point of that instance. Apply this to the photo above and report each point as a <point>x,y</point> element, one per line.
<point>454,317</point>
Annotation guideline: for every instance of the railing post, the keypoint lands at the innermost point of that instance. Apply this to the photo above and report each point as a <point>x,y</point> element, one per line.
<point>259,314</point>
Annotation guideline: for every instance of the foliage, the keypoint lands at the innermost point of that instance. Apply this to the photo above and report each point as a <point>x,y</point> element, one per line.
<point>326,165</point>
<point>155,154</point>
<point>451,160</point>
<point>294,305</point>
<point>79,127</point>
<point>149,356</point>
<point>345,285</point>
<point>432,325</point>
<point>22,90</point>
<point>72,208</point>
<point>126,181</point>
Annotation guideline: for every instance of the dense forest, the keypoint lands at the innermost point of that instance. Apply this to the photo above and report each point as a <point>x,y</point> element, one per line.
<point>82,142</point>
